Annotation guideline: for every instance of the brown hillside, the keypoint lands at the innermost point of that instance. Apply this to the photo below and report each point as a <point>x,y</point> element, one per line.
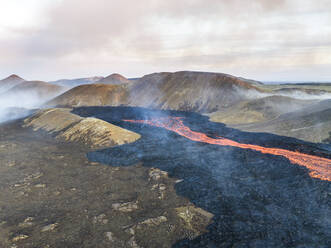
<point>92,132</point>
<point>311,123</point>
<point>114,79</point>
<point>92,95</point>
<point>40,88</point>
<point>187,90</point>
<point>9,82</point>
<point>257,110</point>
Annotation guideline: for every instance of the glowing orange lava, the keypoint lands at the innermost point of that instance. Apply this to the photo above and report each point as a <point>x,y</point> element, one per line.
<point>318,167</point>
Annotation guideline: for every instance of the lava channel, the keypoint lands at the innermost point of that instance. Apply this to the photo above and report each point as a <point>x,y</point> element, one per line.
<point>318,167</point>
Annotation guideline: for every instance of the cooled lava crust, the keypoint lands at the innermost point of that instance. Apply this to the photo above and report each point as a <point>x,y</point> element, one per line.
<point>259,200</point>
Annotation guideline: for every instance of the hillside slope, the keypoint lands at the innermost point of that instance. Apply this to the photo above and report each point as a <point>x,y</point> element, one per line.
<point>187,90</point>
<point>191,91</point>
<point>312,123</point>
<point>75,82</point>
<point>91,132</point>
<point>92,95</point>
<point>257,110</point>
<point>40,88</point>
<point>9,82</point>
<point>114,79</point>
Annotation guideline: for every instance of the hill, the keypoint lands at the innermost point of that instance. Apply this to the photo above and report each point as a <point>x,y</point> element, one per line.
<point>92,132</point>
<point>75,82</point>
<point>191,91</point>
<point>18,100</point>
<point>9,82</point>
<point>92,95</point>
<point>38,88</point>
<point>311,123</point>
<point>114,79</point>
<point>304,93</point>
<point>257,110</point>
<point>188,90</point>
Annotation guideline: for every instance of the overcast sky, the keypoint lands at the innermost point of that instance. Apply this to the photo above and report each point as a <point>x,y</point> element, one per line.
<point>259,39</point>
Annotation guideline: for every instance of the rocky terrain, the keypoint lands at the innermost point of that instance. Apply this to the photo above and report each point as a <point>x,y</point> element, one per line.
<point>238,102</point>
<point>257,200</point>
<point>81,166</point>
<point>53,196</point>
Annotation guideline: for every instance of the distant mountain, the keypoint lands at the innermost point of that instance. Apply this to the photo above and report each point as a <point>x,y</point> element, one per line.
<point>257,110</point>
<point>192,91</point>
<point>298,83</point>
<point>188,90</point>
<point>92,95</point>
<point>39,88</point>
<point>114,79</point>
<point>75,82</point>
<point>29,94</point>
<point>310,123</point>
<point>9,82</point>
<point>12,78</point>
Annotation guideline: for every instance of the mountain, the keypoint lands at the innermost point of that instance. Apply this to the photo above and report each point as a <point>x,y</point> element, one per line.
<point>114,79</point>
<point>193,91</point>
<point>188,90</point>
<point>29,94</point>
<point>18,100</point>
<point>257,110</point>
<point>75,82</point>
<point>39,88</point>
<point>9,82</point>
<point>304,93</point>
<point>92,95</point>
<point>237,102</point>
<point>311,123</point>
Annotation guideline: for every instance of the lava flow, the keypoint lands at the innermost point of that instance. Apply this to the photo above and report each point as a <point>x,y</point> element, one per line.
<point>318,167</point>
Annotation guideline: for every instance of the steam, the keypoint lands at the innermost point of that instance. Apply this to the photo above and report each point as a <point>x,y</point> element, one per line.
<point>299,94</point>
<point>306,96</point>
<point>18,104</point>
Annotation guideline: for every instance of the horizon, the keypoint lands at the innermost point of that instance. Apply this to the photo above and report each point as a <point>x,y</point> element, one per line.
<point>137,77</point>
<point>263,40</point>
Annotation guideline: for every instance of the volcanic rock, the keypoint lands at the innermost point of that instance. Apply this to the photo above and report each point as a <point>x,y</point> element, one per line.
<point>191,215</point>
<point>20,237</point>
<point>125,207</point>
<point>49,227</point>
<point>92,132</point>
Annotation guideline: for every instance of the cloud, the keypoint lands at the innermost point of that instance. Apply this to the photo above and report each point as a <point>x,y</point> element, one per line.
<point>76,38</point>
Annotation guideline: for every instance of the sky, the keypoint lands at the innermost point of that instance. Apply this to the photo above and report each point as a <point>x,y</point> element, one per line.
<point>267,40</point>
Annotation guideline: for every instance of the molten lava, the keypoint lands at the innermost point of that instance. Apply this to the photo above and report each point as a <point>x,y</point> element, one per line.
<point>318,167</point>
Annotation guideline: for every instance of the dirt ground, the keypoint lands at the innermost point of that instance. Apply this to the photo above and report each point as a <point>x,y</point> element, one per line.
<point>52,196</point>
